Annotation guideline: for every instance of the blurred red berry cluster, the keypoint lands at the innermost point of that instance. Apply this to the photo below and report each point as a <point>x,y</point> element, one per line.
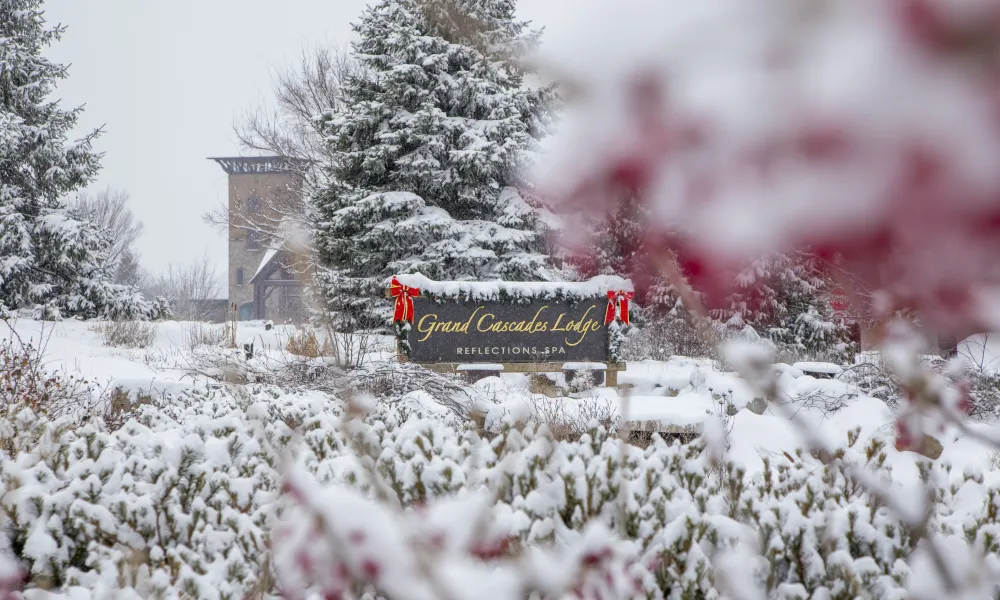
<point>894,177</point>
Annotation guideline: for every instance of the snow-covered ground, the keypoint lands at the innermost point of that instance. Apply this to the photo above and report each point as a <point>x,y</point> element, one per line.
<point>215,460</point>
<point>675,392</point>
<point>170,363</point>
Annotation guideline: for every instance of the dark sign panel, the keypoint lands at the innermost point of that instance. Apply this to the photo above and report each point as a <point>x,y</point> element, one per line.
<point>494,332</point>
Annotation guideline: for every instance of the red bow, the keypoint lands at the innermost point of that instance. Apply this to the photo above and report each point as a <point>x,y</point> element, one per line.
<point>618,303</point>
<point>404,300</point>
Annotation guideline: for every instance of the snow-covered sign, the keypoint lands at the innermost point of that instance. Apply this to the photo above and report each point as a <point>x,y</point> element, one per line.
<point>510,322</point>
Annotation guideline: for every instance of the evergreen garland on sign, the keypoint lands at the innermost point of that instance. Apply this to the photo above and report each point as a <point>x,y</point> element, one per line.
<point>567,293</point>
<point>433,130</point>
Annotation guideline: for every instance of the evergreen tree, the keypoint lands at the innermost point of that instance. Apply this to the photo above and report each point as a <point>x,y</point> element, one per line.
<point>425,154</point>
<point>618,243</point>
<point>782,298</point>
<point>48,259</point>
<point>616,248</point>
<point>785,298</point>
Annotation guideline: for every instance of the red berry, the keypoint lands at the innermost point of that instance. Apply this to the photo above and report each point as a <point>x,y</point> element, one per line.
<point>370,568</point>
<point>904,438</point>
<point>356,537</point>
<point>437,540</point>
<point>823,143</point>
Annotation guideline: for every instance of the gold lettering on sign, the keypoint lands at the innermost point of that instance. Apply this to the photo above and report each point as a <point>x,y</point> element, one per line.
<point>479,323</point>
<point>535,326</point>
<point>427,328</point>
<point>487,322</point>
<point>583,326</point>
<point>465,328</point>
<point>429,324</point>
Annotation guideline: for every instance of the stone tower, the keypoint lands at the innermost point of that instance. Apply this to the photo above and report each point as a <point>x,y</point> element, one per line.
<point>263,191</point>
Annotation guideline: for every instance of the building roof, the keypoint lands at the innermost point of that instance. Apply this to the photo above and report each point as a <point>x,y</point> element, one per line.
<point>264,262</point>
<point>286,231</point>
<point>243,165</point>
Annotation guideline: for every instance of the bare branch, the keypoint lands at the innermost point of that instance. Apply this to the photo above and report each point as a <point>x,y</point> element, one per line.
<point>108,209</point>
<point>189,288</point>
<point>303,93</point>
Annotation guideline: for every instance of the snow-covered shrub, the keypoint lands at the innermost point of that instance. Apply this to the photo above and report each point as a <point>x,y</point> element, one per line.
<point>187,498</point>
<point>128,304</point>
<point>874,378</point>
<point>10,575</point>
<point>676,334</point>
<point>984,393</point>
<point>89,502</point>
<point>582,381</point>
<point>161,309</point>
<point>26,384</point>
<point>350,349</point>
<point>126,334</point>
<point>566,418</point>
<point>389,379</point>
<point>118,406</point>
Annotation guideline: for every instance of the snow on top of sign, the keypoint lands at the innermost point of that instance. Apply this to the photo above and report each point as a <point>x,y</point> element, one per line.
<point>584,366</point>
<point>481,367</point>
<point>484,290</point>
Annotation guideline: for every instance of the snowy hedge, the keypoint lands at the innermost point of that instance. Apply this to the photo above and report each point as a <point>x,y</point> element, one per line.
<point>186,499</point>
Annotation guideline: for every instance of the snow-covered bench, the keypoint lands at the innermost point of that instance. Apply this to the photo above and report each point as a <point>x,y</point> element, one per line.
<point>819,370</point>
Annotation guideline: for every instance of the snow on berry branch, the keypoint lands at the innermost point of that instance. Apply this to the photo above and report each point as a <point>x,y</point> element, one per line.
<point>865,130</point>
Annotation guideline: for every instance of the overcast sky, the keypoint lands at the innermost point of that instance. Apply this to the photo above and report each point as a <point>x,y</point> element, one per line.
<point>166,81</point>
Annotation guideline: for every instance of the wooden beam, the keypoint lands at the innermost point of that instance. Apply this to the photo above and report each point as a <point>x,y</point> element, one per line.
<point>279,282</point>
<point>611,378</point>
<point>258,302</point>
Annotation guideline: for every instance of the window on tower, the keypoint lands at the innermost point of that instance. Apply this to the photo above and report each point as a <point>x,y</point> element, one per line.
<point>254,240</point>
<point>240,276</point>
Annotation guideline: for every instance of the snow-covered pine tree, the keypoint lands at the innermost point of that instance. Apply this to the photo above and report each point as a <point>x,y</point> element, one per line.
<point>426,152</point>
<point>616,248</point>
<point>617,242</point>
<point>785,298</point>
<point>48,259</point>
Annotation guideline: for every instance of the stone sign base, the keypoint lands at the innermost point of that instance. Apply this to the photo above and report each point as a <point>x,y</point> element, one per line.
<point>640,433</point>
